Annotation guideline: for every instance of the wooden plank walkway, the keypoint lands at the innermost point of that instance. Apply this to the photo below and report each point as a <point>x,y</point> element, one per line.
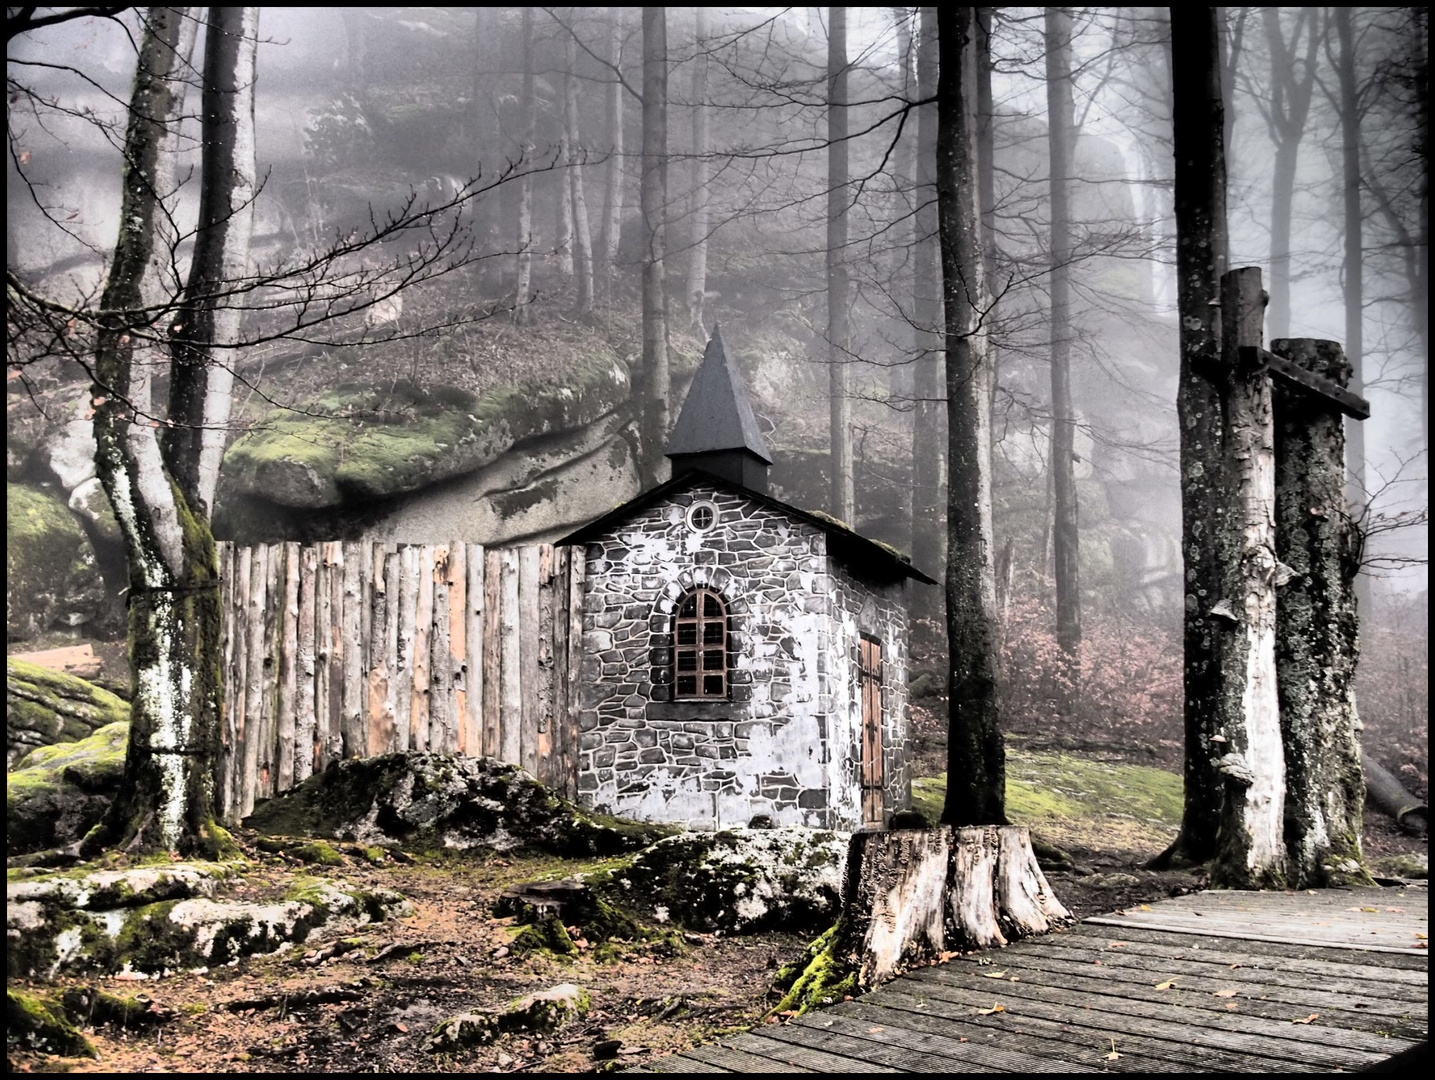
<point>1213,982</point>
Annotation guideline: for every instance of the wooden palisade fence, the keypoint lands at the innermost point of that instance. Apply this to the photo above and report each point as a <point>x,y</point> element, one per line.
<point>355,649</point>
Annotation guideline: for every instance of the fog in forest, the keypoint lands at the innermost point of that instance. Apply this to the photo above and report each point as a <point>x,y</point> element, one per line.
<point>499,116</point>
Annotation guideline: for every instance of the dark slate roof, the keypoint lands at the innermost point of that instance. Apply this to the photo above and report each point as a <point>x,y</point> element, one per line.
<point>854,549</point>
<point>717,414</point>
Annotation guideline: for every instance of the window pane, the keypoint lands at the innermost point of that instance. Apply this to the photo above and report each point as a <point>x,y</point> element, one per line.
<point>713,686</point>
<point>712,606</point>
<point>689,607</point>
<point>687,661</point>
<point>687,685</point>
<point>713,660</point>
<point>713,633</point>
<point>687,633</point>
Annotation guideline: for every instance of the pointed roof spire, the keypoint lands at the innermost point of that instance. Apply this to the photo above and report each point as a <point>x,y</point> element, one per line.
<point>717,415</point>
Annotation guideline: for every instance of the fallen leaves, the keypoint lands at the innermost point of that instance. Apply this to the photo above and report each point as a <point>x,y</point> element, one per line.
<point>1117,945</point>
<point>1307,1019</point>
<point>993,974</point>
<point>1167,985</point>
<point>1224,993</point>
<point>997,1007</point>
<point>1113,1056</point>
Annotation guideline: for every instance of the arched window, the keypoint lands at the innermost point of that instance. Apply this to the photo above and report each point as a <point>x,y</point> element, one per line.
<point>700,646</point>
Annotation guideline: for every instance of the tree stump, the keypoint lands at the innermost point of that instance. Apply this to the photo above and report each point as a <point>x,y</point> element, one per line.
<point>913,895</point>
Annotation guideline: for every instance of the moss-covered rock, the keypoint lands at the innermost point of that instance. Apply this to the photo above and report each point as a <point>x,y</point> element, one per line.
<point>366,444</point>
<point>545,1010</point>
<point>739,881</point>
<point>51,576</point>
<point>37,1024</point>
<point>44,707</point>
<point>110,921</point>
<point>823,975</point>
<point>440,801</point>
<point>59,793</point>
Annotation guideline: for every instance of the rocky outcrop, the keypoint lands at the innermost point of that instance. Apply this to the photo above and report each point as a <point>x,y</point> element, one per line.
<point>44,707</point>
<point>59,793</point>
<point>441,801</point>
<point>52,579</point>
<point>369,445</point>
<point>161,919</point>
<point>544,1010</point>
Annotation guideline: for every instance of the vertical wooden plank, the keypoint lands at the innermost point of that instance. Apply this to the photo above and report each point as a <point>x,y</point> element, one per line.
<point>473,664</point>
<point>352,739</point>
<point>304,695</point>
<point>273,632</point>
<point>404,665</point>
<point>456,741</point>
<point>440,657</point>
<point>254,688</point>
<point>510,702</point>
<point>224,767</point>
<point>323,649</point>
<point>423,633</point>
<point>543,667</point>
<point>577,571</point>
<point>366,625</point>
<point>334,725</point>
<point>528,564</point>
<point>492,653</point>
<point>383,633</point>
<point>288,670</point>
<point>557,725</point>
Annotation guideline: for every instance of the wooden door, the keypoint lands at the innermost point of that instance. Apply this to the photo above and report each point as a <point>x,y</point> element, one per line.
<point>874,801</point>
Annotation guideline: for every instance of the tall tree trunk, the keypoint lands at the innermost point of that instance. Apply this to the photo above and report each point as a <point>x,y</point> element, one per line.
<point>900,383</point>
<point>562,195</point>
<point>202,382</point>
<point>1200,203</point>
<point>929,458</point>
<point>839,342</point>
<point>1061,134</point>
<point>521,297</point>
<point>166,802</point>
<point>654,196</point>
<point>697,283</point>
<point>976,758</point>
<point>611,229</point>
<point>1317,628</point>
<point>987,181</point>
<point>582,235</point>
<point>1250,849</point>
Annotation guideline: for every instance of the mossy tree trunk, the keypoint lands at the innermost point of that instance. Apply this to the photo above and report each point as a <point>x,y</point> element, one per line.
<point>167,800</point>
<point>1200,205</point>
<point>653,194</point>
<point>976,758</point>
<point>1317,628</point>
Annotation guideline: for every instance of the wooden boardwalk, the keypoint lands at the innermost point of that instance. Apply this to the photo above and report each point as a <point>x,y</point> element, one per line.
<point>1213,982</point>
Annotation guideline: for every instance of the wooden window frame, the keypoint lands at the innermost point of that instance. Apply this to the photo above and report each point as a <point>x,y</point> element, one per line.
<point>701,662</point>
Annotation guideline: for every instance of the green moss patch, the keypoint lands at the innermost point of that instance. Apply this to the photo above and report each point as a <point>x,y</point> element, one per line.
<point>43,707</point>
<point>358,444</point>
<point>37,1024</point>
<point>51,575</point>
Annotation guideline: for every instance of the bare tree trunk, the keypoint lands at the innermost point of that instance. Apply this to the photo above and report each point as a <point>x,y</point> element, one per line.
<point>582,236</point>
<point>612,225</point>
<point>562,197</point>
<point>1200,203</point>
<point>167,800</point>
<point>1317,629</point>
<point>202,382</point>
<point>838,315</point>
<point>904,154</point>
<point>929,459</point>
<point>1354,264</point>
<point>976,772</point>
<point>654,193</point>
<point>1061,137</point>
<point>521,313</point>
<point>697,283</point>
<point>987,182</point>
<point>1250,848</point>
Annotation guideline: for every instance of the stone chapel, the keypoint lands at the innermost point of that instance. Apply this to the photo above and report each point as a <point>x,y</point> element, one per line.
<point>742,658</point>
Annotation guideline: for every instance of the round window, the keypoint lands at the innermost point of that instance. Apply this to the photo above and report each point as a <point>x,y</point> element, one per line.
<point>702,516</point>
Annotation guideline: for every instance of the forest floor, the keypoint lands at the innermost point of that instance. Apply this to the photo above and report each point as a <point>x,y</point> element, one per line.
<point>371,1008</point>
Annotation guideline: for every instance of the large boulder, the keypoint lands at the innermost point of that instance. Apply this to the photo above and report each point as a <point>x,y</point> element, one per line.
<point>59,793</point>
<point>52,579</point>
<point>432,801</point>
<point>44,707</point>
<point>368,445</point>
